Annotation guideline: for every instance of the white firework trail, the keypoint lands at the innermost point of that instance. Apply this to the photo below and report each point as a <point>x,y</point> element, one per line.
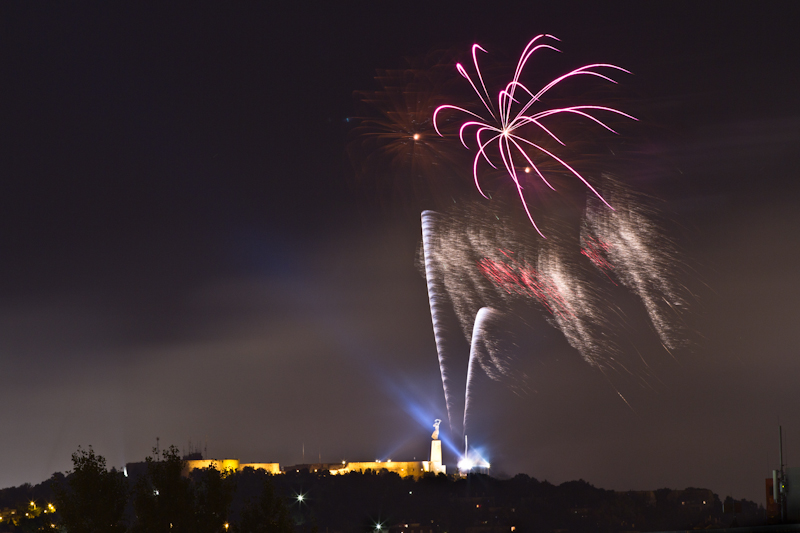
<point>581,316</point>
<point>437,300</point>
<point>476,355</point>
<point>483,273</point>
<point>488,356</point>
<point>643,259</point>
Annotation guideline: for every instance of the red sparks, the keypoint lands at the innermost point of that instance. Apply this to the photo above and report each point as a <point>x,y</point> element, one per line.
<point>520,278</point>
<point>595,250</point>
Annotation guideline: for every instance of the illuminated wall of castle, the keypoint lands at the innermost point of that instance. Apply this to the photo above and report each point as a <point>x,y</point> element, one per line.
<point>403,468</point>
<point>415,469</point>
<point>228,464</point>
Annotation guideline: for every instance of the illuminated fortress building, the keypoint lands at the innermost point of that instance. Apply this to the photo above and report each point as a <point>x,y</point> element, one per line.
<point>415,469</point>
<point>229,464</point>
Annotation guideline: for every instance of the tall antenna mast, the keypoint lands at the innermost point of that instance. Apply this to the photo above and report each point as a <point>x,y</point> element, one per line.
<point>782,502</point>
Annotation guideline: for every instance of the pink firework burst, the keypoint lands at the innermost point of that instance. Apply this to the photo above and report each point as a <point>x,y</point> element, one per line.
<point>514,110</point>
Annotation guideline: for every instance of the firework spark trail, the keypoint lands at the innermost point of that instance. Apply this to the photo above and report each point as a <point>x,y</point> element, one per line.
<point>583,319</point>
<point>477,354</point>
<point>596,250</point>
<point>457,291</point>
<point>524,280</point>
<point>572,302</point>
<point>504,127</point>
<point>487,274</point>
<point>485,288</point>
<point>644,260</point>
<point>483,271</point>
<point>490,352</point>
<point>438,301</point>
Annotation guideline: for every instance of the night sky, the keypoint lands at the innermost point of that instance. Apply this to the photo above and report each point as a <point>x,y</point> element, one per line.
<point>184,252</point>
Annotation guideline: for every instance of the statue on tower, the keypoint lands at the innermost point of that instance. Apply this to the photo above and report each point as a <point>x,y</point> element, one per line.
<point>436,423</point>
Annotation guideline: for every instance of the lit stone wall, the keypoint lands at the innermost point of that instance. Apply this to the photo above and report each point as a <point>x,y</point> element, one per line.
<point>218,464</point>
<point>272,468</point>
<point>229,464</point>
<point>404,468</point>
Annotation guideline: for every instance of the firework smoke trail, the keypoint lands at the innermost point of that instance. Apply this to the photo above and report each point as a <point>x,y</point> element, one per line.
<point>508,129</point>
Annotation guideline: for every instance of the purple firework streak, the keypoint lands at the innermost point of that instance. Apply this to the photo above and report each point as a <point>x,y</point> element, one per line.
<point>515,111</point>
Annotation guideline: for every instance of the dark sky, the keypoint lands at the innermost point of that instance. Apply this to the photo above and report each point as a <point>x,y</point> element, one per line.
<point>183,253</point>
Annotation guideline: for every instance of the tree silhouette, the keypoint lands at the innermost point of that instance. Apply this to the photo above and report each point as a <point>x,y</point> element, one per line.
<point>266,514</point>
<point>166,500</point>
<point>162,498</point>
<point>213,495</point>
<point>91,499</point>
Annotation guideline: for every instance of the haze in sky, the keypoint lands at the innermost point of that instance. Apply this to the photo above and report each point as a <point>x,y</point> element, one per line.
<point>186,254</point>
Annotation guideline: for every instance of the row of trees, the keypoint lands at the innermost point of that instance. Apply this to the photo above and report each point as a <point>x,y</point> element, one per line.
<point>160,497</point>
<point>93,499</point>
